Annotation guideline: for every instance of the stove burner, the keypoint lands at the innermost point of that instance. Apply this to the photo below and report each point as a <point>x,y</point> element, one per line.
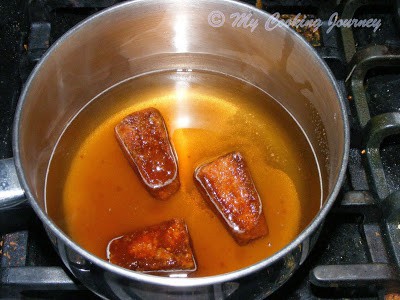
<point>358,252</point>
<point>380,271</point>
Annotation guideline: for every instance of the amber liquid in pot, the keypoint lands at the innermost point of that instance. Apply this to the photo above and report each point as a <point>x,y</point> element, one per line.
<point>93,194</point>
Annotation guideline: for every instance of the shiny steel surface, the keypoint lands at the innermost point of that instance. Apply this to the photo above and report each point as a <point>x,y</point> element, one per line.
<point>147,35</point>
<point>11,192</point>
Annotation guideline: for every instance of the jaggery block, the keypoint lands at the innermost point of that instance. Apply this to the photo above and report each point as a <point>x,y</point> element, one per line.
<point>160,248</point>
<point>144,139</point>
<point>226,184</point>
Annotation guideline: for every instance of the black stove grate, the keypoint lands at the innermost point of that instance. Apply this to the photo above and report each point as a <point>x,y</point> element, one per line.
<point>358,253</point>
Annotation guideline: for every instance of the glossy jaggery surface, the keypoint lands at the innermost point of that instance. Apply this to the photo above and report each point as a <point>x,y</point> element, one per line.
<point>163,247</point>
<point>144,139</point>
<point>226,183</point>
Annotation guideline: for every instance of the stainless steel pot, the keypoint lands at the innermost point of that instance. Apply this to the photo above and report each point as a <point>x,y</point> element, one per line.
<point>146,35</point>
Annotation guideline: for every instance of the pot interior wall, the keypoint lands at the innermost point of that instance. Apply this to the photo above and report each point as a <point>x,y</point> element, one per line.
<point>137,38</point>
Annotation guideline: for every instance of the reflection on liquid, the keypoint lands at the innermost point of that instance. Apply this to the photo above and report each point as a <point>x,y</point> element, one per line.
<point>183,120</point>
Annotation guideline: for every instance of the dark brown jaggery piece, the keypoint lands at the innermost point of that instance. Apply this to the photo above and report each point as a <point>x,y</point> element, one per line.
<point>227,185</point>
<point>144,139</point>
<point>160,248</point>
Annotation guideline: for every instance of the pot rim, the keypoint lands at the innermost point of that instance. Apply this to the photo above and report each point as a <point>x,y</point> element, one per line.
<point>170,281</point>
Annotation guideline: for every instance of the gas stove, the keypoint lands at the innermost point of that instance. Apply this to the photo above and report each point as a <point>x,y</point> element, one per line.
<point>358,253</point>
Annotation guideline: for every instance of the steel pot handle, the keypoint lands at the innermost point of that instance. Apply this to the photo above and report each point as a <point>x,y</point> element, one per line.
<point>11,192</point>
